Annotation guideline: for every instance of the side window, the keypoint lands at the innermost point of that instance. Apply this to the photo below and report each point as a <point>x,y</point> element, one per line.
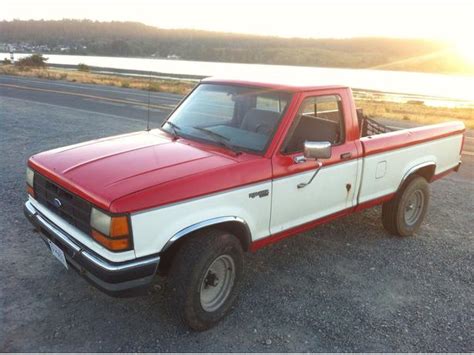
<point>318,119</point>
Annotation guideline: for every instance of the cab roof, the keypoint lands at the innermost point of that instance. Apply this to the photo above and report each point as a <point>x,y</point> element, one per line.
<point>293,84</point>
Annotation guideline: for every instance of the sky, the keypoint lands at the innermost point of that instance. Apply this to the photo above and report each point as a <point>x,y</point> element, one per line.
<point>450,20</point>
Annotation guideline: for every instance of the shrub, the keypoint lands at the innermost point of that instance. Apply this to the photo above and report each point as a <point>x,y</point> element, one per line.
<point>6,61</point>
<point>153,86</point>
<point>415,102</point>
<point>34,60</point>
<point>83,67</point>
<point>125,83</point>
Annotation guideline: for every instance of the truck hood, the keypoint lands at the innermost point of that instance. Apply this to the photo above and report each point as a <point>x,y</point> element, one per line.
<point>106,170</point>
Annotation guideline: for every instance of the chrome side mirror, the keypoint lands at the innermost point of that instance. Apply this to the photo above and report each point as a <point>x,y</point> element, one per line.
<point>317,150</point>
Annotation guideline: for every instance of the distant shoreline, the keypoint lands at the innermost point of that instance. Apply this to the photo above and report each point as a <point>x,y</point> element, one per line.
<point>133,73</point>
<point>381,68</point>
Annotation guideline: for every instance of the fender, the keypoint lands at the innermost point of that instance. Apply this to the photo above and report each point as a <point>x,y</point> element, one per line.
<point>207,223</point>
<point>415,168</point>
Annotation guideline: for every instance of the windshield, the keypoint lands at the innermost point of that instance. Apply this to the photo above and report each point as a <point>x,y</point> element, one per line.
<point>239,118</point>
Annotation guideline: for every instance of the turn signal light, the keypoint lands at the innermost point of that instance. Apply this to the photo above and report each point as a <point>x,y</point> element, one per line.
<point>119,227</point>
<point>119,244</point>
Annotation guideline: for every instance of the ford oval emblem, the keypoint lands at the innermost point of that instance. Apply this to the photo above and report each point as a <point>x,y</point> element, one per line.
<point>57,203</point>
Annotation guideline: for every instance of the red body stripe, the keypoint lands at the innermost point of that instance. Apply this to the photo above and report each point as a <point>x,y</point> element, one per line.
<point>408,137</point>
<point>373,203</point>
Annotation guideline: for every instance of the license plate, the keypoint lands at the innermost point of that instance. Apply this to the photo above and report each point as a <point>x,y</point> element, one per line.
<point>58,253</point>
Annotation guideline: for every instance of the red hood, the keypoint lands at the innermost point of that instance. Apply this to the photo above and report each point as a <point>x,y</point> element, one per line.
<point>146,169</point>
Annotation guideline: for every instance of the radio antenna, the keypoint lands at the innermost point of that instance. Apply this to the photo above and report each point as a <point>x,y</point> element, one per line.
<point>148,110</point>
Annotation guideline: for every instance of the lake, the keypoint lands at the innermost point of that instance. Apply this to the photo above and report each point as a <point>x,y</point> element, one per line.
<point>453,87</point>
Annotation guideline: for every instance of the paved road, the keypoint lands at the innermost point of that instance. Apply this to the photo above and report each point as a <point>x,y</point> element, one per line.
<point>346,286</point>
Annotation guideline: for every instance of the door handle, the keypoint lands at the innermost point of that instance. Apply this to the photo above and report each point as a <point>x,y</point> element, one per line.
<point>345,156</point>
<point>299,159</point>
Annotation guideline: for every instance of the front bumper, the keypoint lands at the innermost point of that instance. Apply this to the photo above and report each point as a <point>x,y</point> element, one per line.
<point>114,278</point>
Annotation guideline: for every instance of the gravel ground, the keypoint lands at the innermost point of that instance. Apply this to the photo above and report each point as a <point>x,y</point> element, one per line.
<point>345,286</point>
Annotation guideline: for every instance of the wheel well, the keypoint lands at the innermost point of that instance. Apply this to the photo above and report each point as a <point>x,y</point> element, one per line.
<point>238,229</point>
<point>427,172</point>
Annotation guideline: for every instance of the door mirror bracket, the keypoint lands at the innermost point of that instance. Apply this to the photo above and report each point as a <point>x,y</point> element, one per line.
<point>316,151</point>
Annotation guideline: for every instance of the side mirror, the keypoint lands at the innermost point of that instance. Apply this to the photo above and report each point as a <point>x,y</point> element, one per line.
<point>317,150</point>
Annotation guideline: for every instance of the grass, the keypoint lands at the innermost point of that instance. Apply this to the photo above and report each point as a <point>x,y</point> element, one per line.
<point>414,111</point>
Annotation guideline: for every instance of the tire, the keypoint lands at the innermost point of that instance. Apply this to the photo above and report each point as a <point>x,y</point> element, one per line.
<point>205,277</point>
<point>403,215</point>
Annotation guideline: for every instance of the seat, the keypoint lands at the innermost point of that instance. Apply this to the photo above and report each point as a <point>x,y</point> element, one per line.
<point>312,128</point>
<point>260,121</point>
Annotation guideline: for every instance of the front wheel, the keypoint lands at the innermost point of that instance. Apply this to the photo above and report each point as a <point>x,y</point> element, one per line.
<point>404,214</point>
<point>205,277</point>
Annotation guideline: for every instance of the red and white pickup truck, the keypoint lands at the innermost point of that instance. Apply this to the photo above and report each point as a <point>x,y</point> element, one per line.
<point>236,166</point>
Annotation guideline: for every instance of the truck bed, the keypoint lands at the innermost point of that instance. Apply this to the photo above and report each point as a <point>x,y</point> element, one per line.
<point>390,157</point>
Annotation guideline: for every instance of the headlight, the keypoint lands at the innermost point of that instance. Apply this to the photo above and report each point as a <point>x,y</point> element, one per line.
<point>112,232</point>
<point>30,179</point>
<point>100,221</point>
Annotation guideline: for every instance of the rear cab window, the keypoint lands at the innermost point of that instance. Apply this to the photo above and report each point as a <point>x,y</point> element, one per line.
<point>270,103</point>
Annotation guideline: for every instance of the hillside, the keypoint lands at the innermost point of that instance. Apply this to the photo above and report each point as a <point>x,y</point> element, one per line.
<point>136,39</point>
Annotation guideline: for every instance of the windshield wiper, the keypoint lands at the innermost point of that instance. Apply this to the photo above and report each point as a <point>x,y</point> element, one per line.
<point>175,128</point>
<point>221,139</point>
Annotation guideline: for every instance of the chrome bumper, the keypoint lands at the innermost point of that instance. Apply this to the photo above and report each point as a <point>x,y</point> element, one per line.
<point>111,277</point>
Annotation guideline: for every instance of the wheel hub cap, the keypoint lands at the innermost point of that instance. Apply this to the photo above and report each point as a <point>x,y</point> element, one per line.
<point>414,207</point>
<point>217,283</point>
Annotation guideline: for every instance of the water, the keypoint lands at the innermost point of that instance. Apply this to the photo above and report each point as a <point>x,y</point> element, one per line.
<point>454,87</point>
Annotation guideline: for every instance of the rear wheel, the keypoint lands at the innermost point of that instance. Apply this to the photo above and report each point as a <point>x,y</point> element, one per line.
<point>205,277</point>
<point>404,214</point>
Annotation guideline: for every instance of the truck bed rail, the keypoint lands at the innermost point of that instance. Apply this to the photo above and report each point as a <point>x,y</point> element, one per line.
<point>370,127</point>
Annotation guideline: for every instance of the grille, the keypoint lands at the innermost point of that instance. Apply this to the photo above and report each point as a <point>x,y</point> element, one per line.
<point>72,208</point>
